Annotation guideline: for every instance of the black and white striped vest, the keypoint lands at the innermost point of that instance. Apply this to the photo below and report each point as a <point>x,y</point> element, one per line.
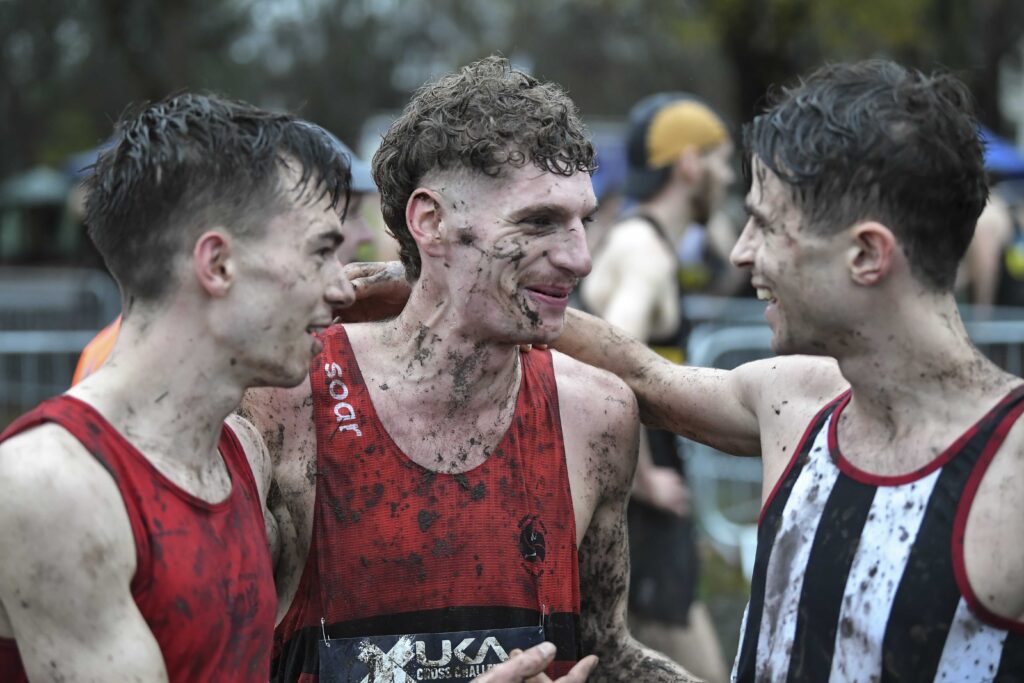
<point>860,577</point>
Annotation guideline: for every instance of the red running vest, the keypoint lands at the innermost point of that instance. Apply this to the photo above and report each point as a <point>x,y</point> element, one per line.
<point>204,581</point>
<point>400,549</point>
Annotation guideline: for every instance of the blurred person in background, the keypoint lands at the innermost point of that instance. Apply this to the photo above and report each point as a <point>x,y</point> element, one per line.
<point>993,268</point>
<point>679,156</point>
<point>358,245</point>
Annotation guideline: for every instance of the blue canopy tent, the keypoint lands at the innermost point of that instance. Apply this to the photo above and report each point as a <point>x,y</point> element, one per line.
<point>1002,159</point>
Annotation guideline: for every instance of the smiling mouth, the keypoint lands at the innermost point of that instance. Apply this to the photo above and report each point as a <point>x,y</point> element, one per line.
<point>557,292</point>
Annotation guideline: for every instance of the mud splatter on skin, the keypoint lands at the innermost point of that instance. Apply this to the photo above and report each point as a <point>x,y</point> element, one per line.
<point>463,368</point>
<point>604,581</point>
<point>423,352</point>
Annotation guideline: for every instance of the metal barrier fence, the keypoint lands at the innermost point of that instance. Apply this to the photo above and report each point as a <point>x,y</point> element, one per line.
<point>46,316</point>
<point>727,489</point>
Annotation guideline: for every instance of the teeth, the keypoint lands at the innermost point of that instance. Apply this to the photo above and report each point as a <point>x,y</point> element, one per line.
<point>764,294</point>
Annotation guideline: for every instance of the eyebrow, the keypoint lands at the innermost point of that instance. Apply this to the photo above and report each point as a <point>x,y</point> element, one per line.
<point>333,236</point>
<point>756,213</point>
<point>545,208</point>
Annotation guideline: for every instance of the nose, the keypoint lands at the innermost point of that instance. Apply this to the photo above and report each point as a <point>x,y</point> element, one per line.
<point>742,254</point>
<point>573,255</point>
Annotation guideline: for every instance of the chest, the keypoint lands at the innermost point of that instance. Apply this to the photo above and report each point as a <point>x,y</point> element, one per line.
<point>899,552</point>
<point>388,529</point>
<point>208,566</point>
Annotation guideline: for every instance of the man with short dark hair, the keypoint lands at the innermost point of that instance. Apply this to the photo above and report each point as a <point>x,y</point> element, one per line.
<point>131,521</point>
<point>444,497</point>
<point>893,456</point>
<point>357,236</point>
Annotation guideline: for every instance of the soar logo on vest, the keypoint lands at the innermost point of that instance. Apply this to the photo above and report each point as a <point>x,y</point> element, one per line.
<point>343,411</point>
<point>447,657</point>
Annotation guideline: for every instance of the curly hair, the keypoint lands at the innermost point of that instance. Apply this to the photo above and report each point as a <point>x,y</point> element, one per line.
<point>192,161</point>
<point>873,140</point>
<point>484,117</point>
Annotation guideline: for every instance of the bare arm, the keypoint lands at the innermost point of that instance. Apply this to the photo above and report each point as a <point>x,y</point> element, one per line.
<point>68,563</point>
<point>716,407</point>
<point>283,418</point>
<point>256,453</point>
<point>604,553</point>
<point>662,487</point>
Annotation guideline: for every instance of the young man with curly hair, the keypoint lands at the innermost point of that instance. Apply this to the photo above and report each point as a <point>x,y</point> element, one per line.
<point>441,496</point>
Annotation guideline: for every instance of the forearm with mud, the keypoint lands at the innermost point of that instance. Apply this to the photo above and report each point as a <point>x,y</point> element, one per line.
<point>604,581</point>
<point>598,343</point>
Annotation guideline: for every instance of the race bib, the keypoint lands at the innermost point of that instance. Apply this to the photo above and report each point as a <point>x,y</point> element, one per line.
<point>449,657</point>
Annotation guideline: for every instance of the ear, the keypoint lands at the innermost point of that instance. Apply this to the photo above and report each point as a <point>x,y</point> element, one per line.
<point>214,267</point>
<point>870,256</point>
<point>423,213</point>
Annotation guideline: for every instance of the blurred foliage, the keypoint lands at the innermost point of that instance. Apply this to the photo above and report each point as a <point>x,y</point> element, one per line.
<point>69,67</point>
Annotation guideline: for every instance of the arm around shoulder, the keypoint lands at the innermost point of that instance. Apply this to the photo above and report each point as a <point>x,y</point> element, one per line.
<point>69,559</point>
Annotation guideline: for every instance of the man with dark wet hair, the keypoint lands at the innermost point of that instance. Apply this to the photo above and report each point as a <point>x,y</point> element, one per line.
<point>893,457</point>
<point>131,517</point>
<point>442,497</point>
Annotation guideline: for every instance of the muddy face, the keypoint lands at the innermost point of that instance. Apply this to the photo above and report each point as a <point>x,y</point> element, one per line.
<point>286,280</point>
<point>800,275</point>
<point>515,250</point>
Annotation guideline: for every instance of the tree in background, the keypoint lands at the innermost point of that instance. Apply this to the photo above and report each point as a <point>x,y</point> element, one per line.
<point>68,67</point>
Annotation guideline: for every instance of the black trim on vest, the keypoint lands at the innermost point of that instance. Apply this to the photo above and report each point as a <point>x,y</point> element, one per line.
<point>301,655</point>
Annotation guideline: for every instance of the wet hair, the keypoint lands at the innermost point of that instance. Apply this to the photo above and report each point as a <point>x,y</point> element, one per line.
<point>196,161</point>
<point>876,141</point>
<point>482,118</point>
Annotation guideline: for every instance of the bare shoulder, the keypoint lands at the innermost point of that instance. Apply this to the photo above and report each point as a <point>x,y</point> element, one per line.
<point>47,463</point>
<point>994,565</point>
<point>68,561</point>
<point>600,425</point>
<point>277,414</point>
<point>586,393</point>
<point>61,515</point>
<point>798,380</point>
<point>255,450</point>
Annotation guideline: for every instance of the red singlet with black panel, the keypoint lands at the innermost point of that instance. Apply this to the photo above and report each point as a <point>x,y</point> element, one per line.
<point>399,549</point>
<point>203,581</point>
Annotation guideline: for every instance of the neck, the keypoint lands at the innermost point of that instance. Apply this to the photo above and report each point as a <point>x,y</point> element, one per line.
<point>671,211</point>
<point>915,363</point>
<point>165,387</point>
<point>445,366</point>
